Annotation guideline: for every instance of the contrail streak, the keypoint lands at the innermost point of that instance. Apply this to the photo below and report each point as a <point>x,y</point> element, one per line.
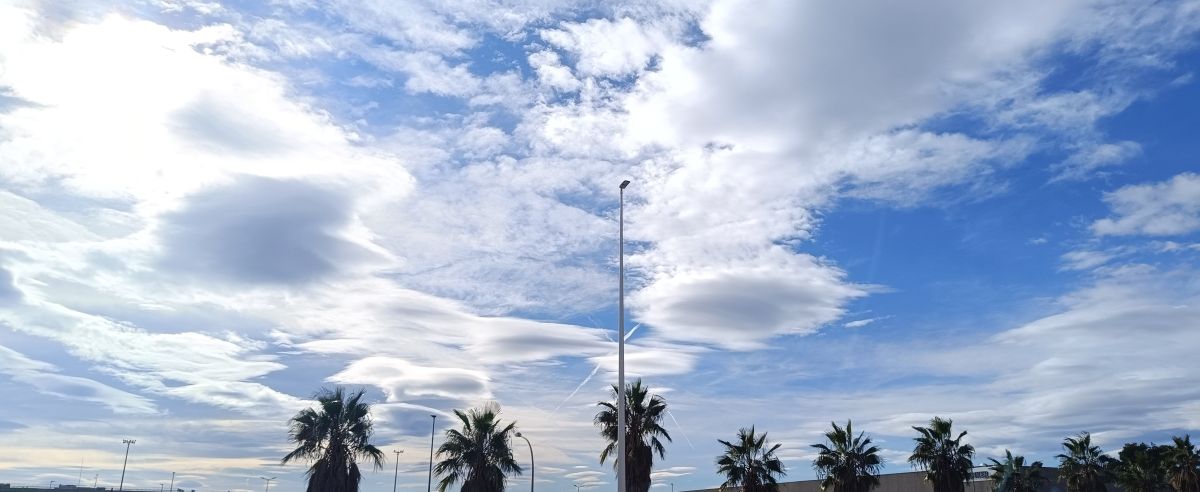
<point>585,381</point>
<point>597,369</point>
<point>681,432</point>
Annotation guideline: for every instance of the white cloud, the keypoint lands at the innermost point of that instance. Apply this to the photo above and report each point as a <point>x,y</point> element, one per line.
<point>44,379</point>
<point>551,72</point>
<point>1087,160</point>
<point>402,380</point>
<point>163,116</point>
<point>859,323</point>
<point>741,305</point>
<point>1168,208</point>
<point>1085,259</point>
<point>607,48</point>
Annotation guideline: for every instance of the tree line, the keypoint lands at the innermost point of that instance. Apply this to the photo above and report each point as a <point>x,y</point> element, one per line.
<point>478,456</point>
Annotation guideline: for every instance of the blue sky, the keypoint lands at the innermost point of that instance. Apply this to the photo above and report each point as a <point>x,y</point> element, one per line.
<point>880,211</point>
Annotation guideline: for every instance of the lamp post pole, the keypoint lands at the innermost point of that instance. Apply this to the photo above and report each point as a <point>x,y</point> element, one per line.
<point>396,477</point>
<point>532,466</point>
<point>432,432</point>
<point>172,489</point>
<point>268,480</point>
<point>621,454</point>
<point>128,443</point>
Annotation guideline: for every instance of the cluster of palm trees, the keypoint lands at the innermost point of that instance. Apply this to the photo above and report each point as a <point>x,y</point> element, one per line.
<point>478,457</point>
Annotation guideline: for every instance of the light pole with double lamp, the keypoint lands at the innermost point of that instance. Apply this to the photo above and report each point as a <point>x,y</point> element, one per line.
<point>128,443</point>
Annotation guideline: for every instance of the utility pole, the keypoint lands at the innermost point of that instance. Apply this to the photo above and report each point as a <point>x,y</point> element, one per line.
<point>432,431</point>
<point>128,443</point>
<point>621,455</point>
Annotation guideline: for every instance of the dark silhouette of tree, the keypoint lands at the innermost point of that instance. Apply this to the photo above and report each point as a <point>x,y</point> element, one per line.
<point>643,418</point>
<point>943,456</point>
<point>480,454</point>
<point>1011,475</point>
<point>1141,468</point>
<point>749,463</point>
<point>334,436</point>
<point>1083,466</point>
<point>1183,465</point>
<point>848,463</point>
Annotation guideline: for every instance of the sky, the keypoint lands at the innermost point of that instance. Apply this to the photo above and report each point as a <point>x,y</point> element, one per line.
<point>879,211</point>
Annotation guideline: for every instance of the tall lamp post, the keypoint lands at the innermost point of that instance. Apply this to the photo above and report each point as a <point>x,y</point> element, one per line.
<point>532,466</point>
<point>621,348</point>
<point>172,489</point>
<point>396,478</point>
<point>432,432</point>
<point>128,443</point>
<point>268,480</point>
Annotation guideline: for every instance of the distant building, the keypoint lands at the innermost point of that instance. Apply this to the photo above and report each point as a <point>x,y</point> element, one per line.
<point>914,481</point>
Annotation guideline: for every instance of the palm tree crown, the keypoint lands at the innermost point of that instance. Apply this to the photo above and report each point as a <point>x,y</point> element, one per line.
<point>1011,475</point>
<point>1084,466</point>
<point>749,463</point>
<point>1183,465</point>
<point>848,463</point>
<point>334,436</point>
<point>480,454</point>
<point>643,418</point>
<point>943,456</point>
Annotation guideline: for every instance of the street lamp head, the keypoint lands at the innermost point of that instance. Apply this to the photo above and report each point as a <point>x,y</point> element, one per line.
<point>128,441</point>
<point>624,184</point>
<point>519,434</point>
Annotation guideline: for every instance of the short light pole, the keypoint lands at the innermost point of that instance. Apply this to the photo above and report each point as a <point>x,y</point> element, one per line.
<point>672,486</point>
<point>532,465</point>
<point>52,484</point>
<point>396,478</point>
<point>432,432</point>
<point>268,480</point>
<point>128,443</point>
<point>621,347</point>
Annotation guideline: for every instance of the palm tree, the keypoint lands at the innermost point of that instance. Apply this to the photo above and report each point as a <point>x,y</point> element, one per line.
<point>1084,466</point>
<point>1140,468</point>
<point>848,463</point>
<point>1183,465</point>
<point>945,459</point>
<point>1011,475</point>
<point>333,437</point>
<point>480,455</point>
<point>750,464</point>
<point>643,417</point>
